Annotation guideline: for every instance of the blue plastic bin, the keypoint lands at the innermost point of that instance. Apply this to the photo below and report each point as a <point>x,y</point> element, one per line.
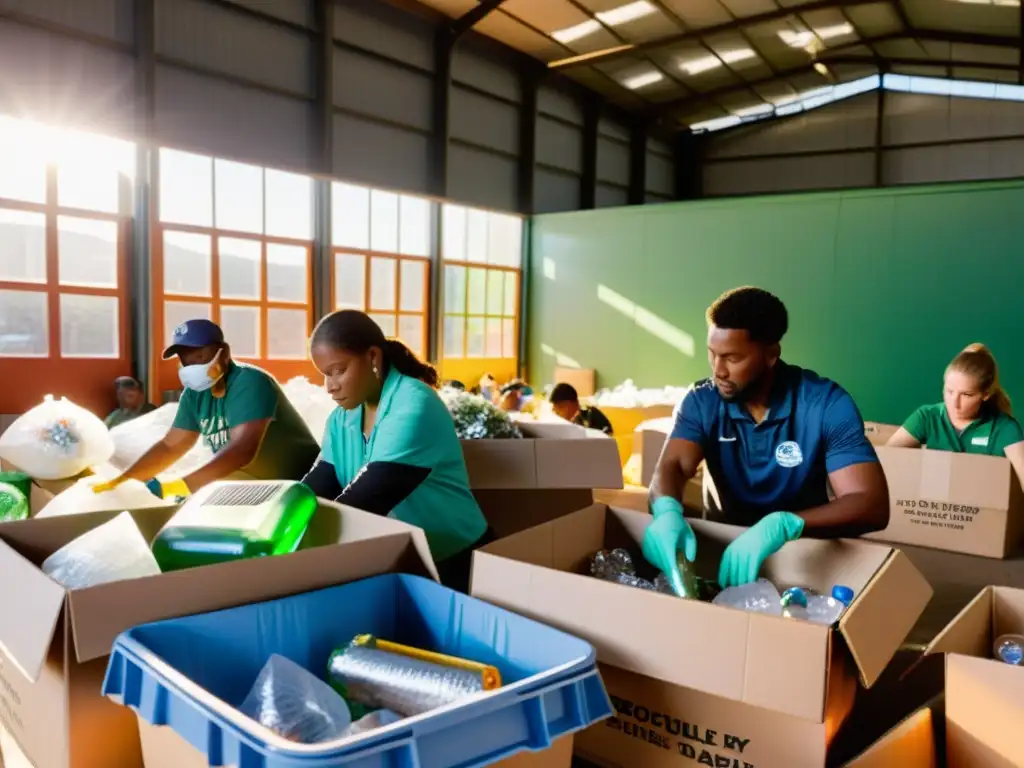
<point>191,673</point>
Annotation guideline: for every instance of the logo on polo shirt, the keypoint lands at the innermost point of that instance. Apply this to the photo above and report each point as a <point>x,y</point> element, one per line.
<point>983,440</point>
<point>788,455</point>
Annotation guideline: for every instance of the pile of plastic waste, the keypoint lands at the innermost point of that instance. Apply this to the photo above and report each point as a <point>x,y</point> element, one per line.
<point>628,395</point>
<point>312,402</point>
<point>804,603</point>
<point>760,596</point>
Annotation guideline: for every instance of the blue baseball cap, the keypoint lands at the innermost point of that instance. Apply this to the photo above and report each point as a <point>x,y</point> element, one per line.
<point>193,334</point>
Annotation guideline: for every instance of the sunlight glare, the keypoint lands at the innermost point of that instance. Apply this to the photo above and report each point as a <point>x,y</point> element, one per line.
<point>657,326</point>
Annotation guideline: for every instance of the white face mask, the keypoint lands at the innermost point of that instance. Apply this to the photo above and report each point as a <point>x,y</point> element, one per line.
<point>197,377</point>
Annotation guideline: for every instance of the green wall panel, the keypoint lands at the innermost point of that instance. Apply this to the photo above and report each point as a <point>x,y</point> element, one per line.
<point>883,287</point>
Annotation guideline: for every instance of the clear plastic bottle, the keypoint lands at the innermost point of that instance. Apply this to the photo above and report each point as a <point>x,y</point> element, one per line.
<point>1009,649</point>
<point>760,596</point>
<point>809,605</point>
<point>617,566</point>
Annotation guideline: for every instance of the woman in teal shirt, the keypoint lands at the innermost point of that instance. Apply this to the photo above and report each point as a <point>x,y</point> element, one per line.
<point>390,447</point>
<point>974,417</point>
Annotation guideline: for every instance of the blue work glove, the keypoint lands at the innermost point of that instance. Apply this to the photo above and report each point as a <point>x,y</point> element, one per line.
<point>665,536</point>
<point>743,558</point>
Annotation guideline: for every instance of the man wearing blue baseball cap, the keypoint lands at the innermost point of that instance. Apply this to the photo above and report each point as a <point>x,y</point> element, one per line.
<point>239,411</point>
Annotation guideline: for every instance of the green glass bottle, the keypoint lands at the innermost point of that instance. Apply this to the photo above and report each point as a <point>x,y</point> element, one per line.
<point>13,504</point>
<point>234,520</point>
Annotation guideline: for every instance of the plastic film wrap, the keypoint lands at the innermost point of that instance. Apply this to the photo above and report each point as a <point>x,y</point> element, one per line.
<point>114,551</point>
<point>295,704</point>
<point>404,684</point>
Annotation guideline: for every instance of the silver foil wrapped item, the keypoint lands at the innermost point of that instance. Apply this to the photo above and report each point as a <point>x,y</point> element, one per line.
<point>366,672</point>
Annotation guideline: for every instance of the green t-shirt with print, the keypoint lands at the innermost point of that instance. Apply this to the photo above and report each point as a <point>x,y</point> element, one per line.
<point>988,435</point>
<point>251,394</point>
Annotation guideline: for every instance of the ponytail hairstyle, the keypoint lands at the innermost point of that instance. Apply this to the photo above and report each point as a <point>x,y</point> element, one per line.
<point>356,332</point>
<point>977,360</point>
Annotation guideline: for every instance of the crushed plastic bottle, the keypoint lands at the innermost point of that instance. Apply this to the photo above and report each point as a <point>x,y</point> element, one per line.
<point>1009,649</point>
<point>760,596</point>
<point>617,566</point>
<point>806,604</point>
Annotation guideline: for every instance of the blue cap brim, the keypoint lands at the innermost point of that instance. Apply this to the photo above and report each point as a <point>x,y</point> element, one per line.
<point>175,349</point>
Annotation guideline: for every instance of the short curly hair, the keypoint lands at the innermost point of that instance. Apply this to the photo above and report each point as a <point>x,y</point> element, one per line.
<point>760,313</point>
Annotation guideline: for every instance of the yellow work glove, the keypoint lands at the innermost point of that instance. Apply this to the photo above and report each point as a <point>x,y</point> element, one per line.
<point>168,489</point>
<point>109,485</point>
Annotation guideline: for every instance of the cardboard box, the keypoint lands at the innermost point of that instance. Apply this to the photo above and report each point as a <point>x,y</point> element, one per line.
<point>879,433</point>
<point>984,697</point>
<point>636,498</point>
<point>583,380</point>
<point>54,642</point>
<point>625,420</point>
<point>163,748</point>
<point>689,679</point>
<point>916,742</point>
<point>959,502</point>
<point>552,471</point>
<point>648,442</point>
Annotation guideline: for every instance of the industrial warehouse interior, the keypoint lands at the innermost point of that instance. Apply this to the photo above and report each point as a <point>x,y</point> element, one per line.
<point>529,383</point>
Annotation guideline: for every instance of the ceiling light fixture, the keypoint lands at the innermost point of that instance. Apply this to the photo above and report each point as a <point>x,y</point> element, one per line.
<point>575,32</point>
<point>801,38</point>
<point>626,13</point>
<point>1004,3</point>
<point>705,63</point>
<point>612,18</point>
<point>642,81</point>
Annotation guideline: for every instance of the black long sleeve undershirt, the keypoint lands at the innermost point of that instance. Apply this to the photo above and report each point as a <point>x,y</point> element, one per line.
<point>379,487</point>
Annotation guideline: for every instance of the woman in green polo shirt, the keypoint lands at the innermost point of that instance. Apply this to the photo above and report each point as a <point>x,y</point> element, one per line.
<point>974,417</point>
<point>390,447</point>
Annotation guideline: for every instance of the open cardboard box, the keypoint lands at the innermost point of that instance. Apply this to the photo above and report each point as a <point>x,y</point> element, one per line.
<point>54,642</point>
<point>916,742</point>
<point>702,681</point>
<point>977,723</point>
<point>878,433</point>
<point>553,470</point>
<point>984,696</point>
<point>959,502</point>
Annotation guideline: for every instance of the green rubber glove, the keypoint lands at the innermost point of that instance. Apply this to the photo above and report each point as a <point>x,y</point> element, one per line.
<point>743,558</point>
<point>666,535</point>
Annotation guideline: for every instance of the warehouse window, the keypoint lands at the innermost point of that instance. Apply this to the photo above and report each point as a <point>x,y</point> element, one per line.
<point>234,245</point>
<point>827,94</point>
<point>65,199</point>
<point>381,265</point>
<point>482,256</point>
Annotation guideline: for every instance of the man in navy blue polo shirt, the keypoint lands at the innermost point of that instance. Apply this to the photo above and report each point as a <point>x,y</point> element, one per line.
<point>772,434</point>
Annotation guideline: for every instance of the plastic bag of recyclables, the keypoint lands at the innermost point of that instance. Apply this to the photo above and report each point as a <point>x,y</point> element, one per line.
<point>114,551</point>
<point>56,440</point>
<point>133,438</point>
<point>312,402</point>
<point>627,395</point>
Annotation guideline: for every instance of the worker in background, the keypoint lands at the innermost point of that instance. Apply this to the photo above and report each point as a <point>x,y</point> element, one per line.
<point>510,397</point>
<point>487,388</point>
<point>131,402</point>
<point>237,409</point>
<point>772,434</point>
<point>974,416</point>
<point>390,447</point>
<point>565,402</point>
